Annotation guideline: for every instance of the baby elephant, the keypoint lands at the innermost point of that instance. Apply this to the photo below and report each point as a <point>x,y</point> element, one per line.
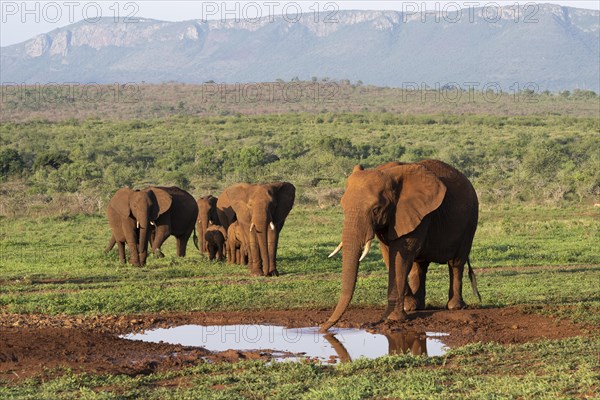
<point>215,237</point>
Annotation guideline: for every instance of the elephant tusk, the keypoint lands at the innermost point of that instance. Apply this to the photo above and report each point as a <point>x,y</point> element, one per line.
<point>365,251</point>
<point>152,223</point>
<point>272,226</point>
<point>251,226</point>
<point>337,250</point>
<point>138,224</point>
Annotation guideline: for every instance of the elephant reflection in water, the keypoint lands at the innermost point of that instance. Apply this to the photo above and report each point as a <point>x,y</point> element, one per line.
<point>405,343</point>
<point>398,343</point>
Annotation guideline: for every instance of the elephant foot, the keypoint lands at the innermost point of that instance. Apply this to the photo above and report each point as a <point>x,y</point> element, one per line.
<point>255,272</point>
<point>397,316</point>
<point>456,303</point>
<point>273,273</point>
<point>158,254</point>
<point>411,303</point>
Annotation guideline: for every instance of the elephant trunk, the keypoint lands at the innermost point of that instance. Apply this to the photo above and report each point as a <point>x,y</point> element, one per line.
<point>264,250</point>
<point>144,226</point>
<point>203,227</point>
<point>260,223</point>
<point>351,254</point>
<point>356,235</point>
<point>273,237</point>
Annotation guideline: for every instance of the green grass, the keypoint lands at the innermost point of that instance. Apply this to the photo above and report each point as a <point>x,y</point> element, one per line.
<point>55,265</point>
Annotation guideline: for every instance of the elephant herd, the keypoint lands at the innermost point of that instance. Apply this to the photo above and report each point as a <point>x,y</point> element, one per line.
<point>245,222</point>
<point>420,212</point>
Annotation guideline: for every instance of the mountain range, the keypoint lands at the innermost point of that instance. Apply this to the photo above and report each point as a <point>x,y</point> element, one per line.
<point>557,48</point>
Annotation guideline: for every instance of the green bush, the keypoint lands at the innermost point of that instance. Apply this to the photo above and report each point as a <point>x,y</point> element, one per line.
<point>539,159</point>
<point>11,163</point>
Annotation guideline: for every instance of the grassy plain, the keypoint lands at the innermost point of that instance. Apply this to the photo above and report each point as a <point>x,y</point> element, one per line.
<point>534,163</point>
<point>55,265</point>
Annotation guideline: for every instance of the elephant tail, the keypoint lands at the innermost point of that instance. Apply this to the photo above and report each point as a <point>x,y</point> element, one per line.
<point>111,244</point>
<point>196,239</point>
<point>473,280</point>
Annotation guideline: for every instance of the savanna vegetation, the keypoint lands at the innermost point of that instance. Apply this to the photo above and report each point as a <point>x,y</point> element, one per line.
<point>515,159</point>
<point>535,166</point>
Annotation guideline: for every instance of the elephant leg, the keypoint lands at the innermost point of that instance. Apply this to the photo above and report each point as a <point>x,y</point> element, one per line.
<point>182,243</point>
<point>121,248</point>
<point>455,299</point>
<point>161,234</point>
<point>415,290</point>
<point>180,247</point>
<point>231,251</point>
<point>400,261</point>
<point>220,252</point>
<point>134,257</point>
<point>211,251</point>
<point>244,258</point>
<point>254,263</point>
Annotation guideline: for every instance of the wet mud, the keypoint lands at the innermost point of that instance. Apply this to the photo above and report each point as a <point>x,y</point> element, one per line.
<point>31,345</point>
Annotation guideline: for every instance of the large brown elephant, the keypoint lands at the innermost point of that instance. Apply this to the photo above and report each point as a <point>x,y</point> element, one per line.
<point>261,210</point>
<point>154,213</point>
<point>421,213</point>
<point>130,213</point>
<point>178,221</point>
<point>207,214</point>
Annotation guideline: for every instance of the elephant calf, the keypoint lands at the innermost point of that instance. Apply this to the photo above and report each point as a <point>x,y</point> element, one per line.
<point>237,252</point>
<point>215,238</point>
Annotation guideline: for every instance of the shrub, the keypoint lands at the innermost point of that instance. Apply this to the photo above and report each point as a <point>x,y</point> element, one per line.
<point>11,163</point>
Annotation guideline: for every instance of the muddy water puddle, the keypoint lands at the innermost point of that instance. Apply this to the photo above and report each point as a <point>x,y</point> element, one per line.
<point>284,344</point>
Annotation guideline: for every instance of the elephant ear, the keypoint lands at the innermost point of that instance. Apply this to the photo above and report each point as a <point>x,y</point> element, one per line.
<point>242,211</point>
<point>120,202</point>
<point>418,193</point>
<point>213,216</point>
<point>285,194</point>
<point>163,202</point>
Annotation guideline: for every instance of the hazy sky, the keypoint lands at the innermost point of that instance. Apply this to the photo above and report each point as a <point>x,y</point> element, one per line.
<point>21,20</point>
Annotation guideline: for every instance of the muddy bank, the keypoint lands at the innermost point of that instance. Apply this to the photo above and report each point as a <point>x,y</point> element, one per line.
<point>31,344</point>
